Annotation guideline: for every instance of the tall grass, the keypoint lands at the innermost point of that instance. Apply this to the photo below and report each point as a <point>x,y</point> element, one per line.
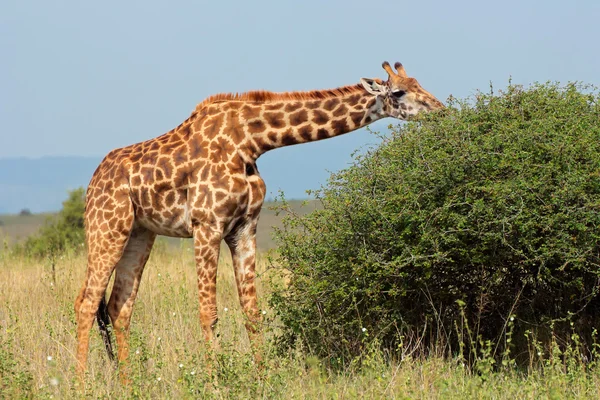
<point>37,343</point>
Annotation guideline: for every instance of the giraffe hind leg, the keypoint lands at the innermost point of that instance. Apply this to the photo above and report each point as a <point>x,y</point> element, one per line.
<point>242,245</point>
<point>128,274</point>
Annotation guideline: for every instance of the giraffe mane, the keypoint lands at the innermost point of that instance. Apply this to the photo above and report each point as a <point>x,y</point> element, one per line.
<point>262,96</point>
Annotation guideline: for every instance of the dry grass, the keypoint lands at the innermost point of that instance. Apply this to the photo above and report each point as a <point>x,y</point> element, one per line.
<point>37,342</point>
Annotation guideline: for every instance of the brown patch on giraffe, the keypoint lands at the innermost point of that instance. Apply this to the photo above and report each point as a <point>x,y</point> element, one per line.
<point>298,118</point>
<point>352,100</point>
<point>320,117</point>
<point>220,179</point>
<point>147,175</point>
<point>228,207</point>
<point>122,212</point>
<point>233,128</point>
<point>136,153</point>
<point>234,105</point>
<point>291,107</point>
<point>144,198</point>
<point>322,133</point>
<point>181,177</point>
<point>156,198</point>
<point>205,197</point>
<point>185,131</point>
<point>150,157</point>
<point>180,157</point>
<point>330,104</point>
<point>356,117</point>
<point>250,112</point>
<point>164,164</point>
<point>198,148</point>
<point>340,126</point>
<point>341,110</point>
<point>236,165</point>
<point>212,126</point>
<point>275,119</point>
<point>170,199</point>
<point>219,196</point>
<point>306,132</point>
<point>371,103</point>
<point>273,106</point>
<point>256,126</point>
<point>272,136</point>
<point>170,147</point>
<point>152,147</point>
<point>311,105</point>
<point>162,187</point>
<point>220,149</point>
<point>263,145</point>
<point>289,138</point>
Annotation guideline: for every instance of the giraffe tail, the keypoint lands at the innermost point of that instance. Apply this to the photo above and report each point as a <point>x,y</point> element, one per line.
<point>103,324</point>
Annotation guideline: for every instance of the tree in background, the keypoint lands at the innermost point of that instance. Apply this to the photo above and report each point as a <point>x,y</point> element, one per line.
<point>62,232</point>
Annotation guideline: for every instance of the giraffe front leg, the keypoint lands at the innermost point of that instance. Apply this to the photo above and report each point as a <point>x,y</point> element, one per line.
<point>242,245</point>
<point>101,263</point>
<point>206,253</point>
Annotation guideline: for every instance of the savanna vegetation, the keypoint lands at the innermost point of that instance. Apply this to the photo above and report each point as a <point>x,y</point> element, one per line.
<point>458,259</point>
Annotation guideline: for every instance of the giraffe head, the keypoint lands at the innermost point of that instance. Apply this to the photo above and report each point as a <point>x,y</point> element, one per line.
<point>400,96</point>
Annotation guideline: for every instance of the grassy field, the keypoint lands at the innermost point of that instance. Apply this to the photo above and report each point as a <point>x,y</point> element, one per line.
<point>37,343</point>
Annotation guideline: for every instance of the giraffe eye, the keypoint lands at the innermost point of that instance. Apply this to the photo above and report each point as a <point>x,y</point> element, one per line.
<point>398,93</point>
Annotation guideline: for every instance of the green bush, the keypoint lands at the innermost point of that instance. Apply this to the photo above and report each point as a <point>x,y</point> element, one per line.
<point>457,222</point>
<point>61,233</point>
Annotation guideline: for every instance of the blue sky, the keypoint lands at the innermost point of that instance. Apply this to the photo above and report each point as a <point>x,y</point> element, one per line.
<point>81,78</point>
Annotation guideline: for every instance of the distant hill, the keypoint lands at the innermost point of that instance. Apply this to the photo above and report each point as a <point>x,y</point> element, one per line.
<point>41,184</point>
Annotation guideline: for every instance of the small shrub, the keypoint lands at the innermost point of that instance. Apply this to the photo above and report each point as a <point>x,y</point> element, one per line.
<point>16,380</point>
<point>486,210</point>
<point>25,212</point>
<point>60,233</point>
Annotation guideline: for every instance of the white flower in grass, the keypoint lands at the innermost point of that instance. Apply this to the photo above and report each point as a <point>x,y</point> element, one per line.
<point>158,379</point>
<point>364,330</point>
<point>49,358</point>
<point>159,339</point>
<point>264,312</point>
<point>54,381</point>
<point>137,351</point>
<point>512,319</point>
<point>226,309</point>
<point>159,274</point>
<point>174,314</point>
<point>180,366</point>
<point>193,373</point>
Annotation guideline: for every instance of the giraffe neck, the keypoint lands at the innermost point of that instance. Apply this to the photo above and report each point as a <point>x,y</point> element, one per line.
<point>273,120</point>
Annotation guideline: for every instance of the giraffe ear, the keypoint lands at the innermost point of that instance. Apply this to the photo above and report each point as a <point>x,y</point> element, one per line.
<point>373,86</point>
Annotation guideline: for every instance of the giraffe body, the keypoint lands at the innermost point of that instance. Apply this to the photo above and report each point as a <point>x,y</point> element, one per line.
<point>200,181</point>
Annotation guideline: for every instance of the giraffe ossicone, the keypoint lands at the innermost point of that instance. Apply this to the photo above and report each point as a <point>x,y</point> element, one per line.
<point>200,181</point>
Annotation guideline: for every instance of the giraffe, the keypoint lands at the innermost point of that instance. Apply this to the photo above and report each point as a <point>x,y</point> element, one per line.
<point>200,181</point>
